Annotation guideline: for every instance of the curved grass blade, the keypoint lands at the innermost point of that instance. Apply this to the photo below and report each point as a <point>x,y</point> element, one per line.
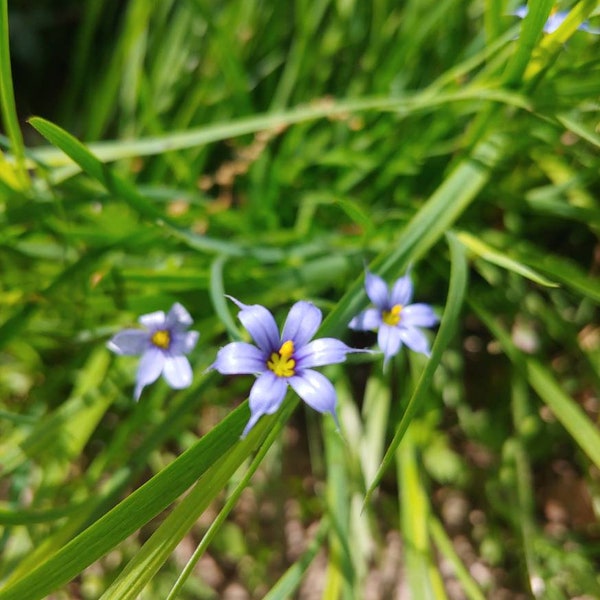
<point>217,295</point>
<point>429,99</point>
<point>73,148</point>
<point>502,260</point>
<point>454,303</point>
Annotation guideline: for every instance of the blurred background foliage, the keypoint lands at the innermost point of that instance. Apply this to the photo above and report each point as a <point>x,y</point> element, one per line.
<point>271,150</point>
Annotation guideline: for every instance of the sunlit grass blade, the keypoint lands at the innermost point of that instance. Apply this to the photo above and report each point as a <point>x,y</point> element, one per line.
<point>405,105</point>
<point>231,501</point>
<point>108,491</point>
<point>146,563</point>
<point>137,509</point>
<point>62,434</point>
<point>7,101</point>
<point>501,259</point>
<point>448,325</point>
<point>552,44</point>
<point>423,578</point>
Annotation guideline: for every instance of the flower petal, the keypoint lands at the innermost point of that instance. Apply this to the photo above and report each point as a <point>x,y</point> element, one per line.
<point>129,342</point>
<point>585,26</point>
<point>155,320</point>
<point>183,342</point>
<point>555,21</point>
<point>366,320</point>
<point>389,341</point>
<point>240,358</point>
<point>377,290</point>
<point>150,367</point>
<point>415,339</point>
<point>178,372</point>
<point>418,315</point>
<point>324,351</point>
<point>261,325</point>
<point>302,323</point>
<point>266,397</point>
<point>402,291</point>
<point>316,390</point>
<point>178,317</point>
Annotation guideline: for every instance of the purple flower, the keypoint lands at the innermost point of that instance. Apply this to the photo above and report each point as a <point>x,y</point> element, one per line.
<point>279,361</point>
<point>555,20</point>
<point>162,345</point>
<point>396,320</point>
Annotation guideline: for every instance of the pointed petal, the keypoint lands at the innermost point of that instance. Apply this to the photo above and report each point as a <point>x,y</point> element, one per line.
<point>302,323</point>
<point>418,315</point>
<point>415,339</point>
<point>240,358</point>
<point>178,317</point>
<point>316,390</point>
<point>155,320</point>
<point>178,372</point>
<point>260,324</point>
<point>183,342</point>
<point>402,291</point>
<point>324,351</point>
<point>252,421</point>
<point>366,320</point>
<point>150,367</point>
<point>266,397</point>
<point>377,290</point>
<point>389,341</point>
<point>129,342</point>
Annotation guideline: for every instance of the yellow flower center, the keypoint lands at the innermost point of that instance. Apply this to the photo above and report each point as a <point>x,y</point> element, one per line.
<point>161,339</point>
<point>392,316</point>
<point>282,363</point>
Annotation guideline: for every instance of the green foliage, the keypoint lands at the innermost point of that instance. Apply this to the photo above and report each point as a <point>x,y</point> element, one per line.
<point>271,151</point>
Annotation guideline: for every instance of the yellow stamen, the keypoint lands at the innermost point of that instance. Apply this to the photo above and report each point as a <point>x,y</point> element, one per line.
<point>281,362</point>
<point>392,317</point>
<point>161,339</point>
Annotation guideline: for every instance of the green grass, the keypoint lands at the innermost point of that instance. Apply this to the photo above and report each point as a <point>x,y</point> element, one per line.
<point>271,151</point>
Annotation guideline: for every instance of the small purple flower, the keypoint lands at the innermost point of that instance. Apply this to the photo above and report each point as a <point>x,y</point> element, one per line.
<point>396,320</point>
<point>279,361</point>
<point>555,20</point>
<point>162,346</point>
